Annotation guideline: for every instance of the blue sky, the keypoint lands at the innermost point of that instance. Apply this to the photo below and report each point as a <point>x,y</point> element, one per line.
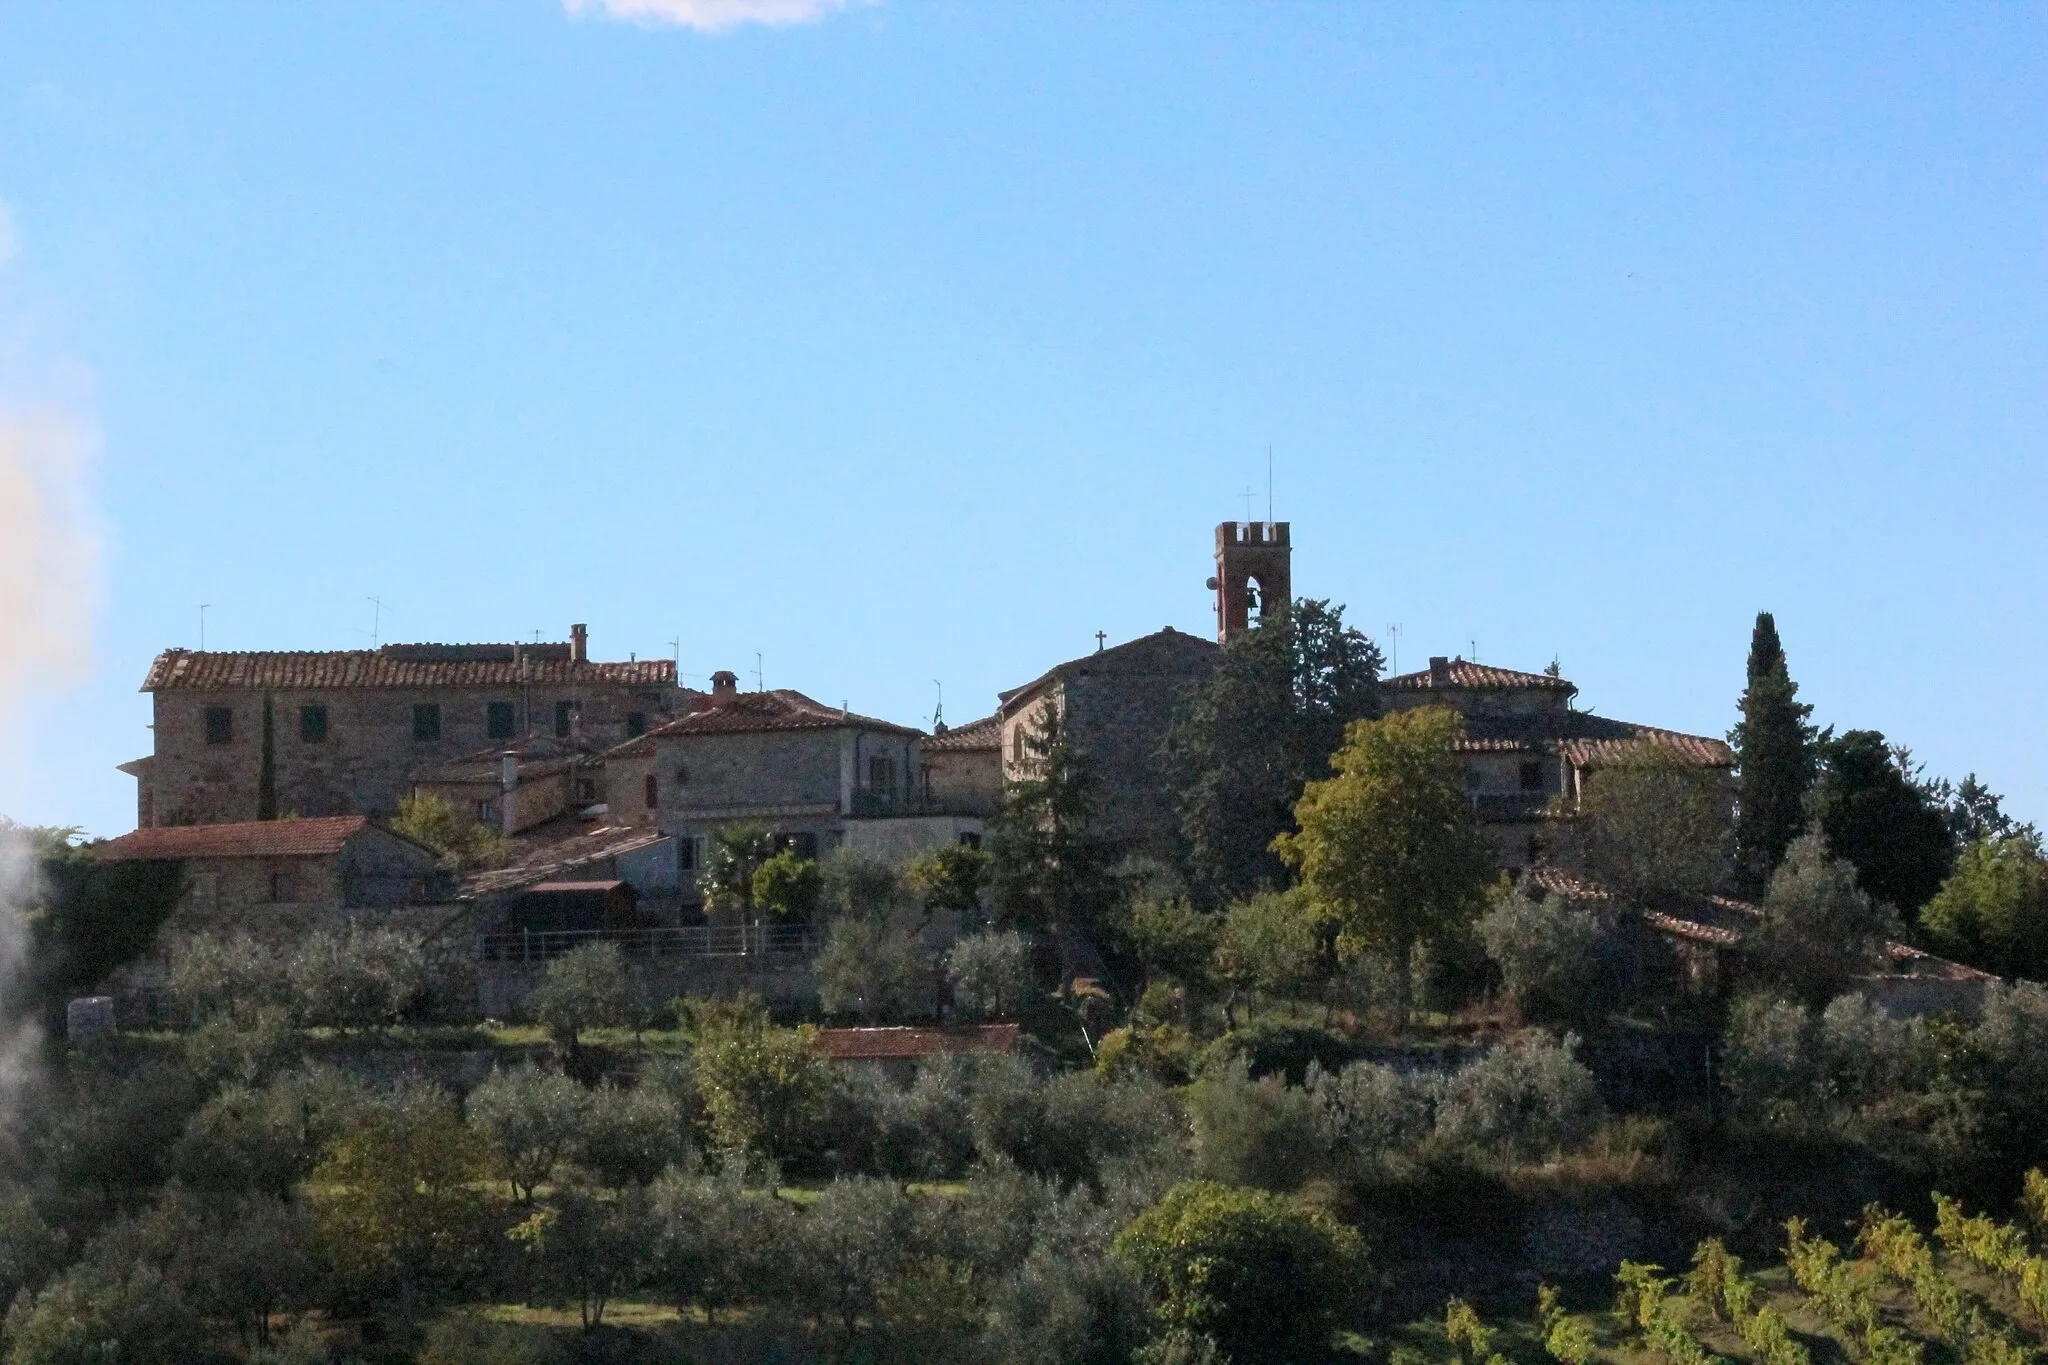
<point>920,341</point>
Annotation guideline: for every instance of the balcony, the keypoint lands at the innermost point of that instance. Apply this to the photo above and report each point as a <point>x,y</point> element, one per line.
<point>875,803</point>
<point>1509,807</point>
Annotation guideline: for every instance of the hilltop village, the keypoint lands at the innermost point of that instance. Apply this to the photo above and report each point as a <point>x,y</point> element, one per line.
<point>1208,1001</point>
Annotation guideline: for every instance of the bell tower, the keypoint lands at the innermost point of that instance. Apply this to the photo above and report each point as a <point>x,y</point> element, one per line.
<point>1252,576</point>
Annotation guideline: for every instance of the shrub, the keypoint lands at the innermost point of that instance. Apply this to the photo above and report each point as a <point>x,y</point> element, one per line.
<point>788,885</point>
<point>1253,1132</point>
<point>1066,1128</point>
<point>764,1088</point>
<point>1819,928</point>
<point>1367,1109</point>
<point>991,974</point>
<point>356,978</point>
<point>1288,1049</point>
<point>1524,1099</point>
<point>464,1340</point>
<point>1265,1278</point>
<point>94,1313</point>
<point>1554,958</point>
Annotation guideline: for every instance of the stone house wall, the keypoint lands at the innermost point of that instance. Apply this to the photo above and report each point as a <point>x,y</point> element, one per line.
<point>361,766</point>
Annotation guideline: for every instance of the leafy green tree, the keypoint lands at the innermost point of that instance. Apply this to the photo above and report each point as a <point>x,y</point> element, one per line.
<point>991,974</point>
<point>584,989</point>
<point>632,1134</point>
<point>1819,928</point>
<point>1992,912</point>
<point>1974,811</point>
<point>1650,823</point>
<point>848,1248</point>
<point>716,1247</point>
<point>268,1139</point>
<point>1048,864</point>
<point>531,1120</point>
<point>764,1087</point>
<point>949,877</point>
<point>1774,758</point>
<point>1389,849</point>
<point>1275,943</point>
<point>432,819</point>
<point>238,1260</point>
<point>859,884</point>
<point>869,968</point>
<point>95,1313</point>
<point>788,886</point>
<point>1174,941</point>
<point>588,1249</point>
<point>226,976</point>
<point>1264,1277</point>
<point>1262,1132</point>
<point>1556,961</point>
<point>398,1207</point>
<point>29,1247</point>
<point>1248,739</point>
<point>1875,813</point>
<point>736,854</point>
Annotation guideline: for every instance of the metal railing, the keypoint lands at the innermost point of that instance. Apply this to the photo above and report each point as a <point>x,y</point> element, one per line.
<point>701,940</point>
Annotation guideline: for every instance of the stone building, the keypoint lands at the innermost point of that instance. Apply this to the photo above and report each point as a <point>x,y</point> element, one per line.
<point>819,776</point>
<point>963,766</point>
<point>1525,746</point>
<point>241,736</point>
<point>1118,705</point>
<point>239,874</point>
<point>519,786</point>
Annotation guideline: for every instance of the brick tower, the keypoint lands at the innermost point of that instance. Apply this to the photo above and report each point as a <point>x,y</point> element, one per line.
<point>1251,574</point>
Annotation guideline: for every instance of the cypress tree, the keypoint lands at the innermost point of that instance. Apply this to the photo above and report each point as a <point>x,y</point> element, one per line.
<point>266,772</point>
<point>1774,756</point>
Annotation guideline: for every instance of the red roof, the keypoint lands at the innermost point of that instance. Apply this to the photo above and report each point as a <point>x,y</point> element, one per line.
<point>244,839</point>
<point>394,666</point>
<point>986,733</point>
<point>1465,673</point>
<point>1694,749</point>
<point>910,1044</point>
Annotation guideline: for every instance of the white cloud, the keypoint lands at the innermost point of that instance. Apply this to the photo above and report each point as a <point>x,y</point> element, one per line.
<point>710,16</point>
<point>49,556</point>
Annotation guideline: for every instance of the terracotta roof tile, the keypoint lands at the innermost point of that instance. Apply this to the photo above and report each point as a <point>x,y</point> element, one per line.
<point>1465,673</point>
<point>1592,751</point>
<point>551,859</point>
<point>391,666</point>
<point>986,733</point>
<point>244,839</point>
<point>910,1044</point>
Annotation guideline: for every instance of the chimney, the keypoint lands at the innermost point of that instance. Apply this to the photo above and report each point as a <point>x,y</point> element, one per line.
<point>1439,671</point>
<point>508,780</point>
<point>725,685</point>
<point>579,644</point>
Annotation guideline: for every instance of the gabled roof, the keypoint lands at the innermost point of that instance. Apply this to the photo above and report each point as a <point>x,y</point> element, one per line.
<point>986,733</point>
<point>1614,738</point>
<point>302,838</point>
<point>757,712</point>
<point>1166,651</point>
<point>1479,677</point>
<point>911,1044</point>
<point>397,666</point>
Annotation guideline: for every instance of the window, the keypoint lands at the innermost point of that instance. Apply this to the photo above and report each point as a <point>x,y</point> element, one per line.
<point>487,812</point>
<point>220,724</point>
<point>498,720</point>
<point>803,844</point>
<point>881,773</point>
<point>426,721</point>
<point>1017,745</point>
<point>313,724</point>
<point>565,718</point>
<point>586,790</point>
<point>969,839</point>
<point>1532,775</point>
<point>636,724</point>
<point>653,789</point>
<point>688,857</point>
<point>283,886</point>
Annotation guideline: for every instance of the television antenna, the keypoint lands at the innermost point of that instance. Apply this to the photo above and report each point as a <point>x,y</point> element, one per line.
<point>202,625</point>
<point>939,707</point>
<point>757,672</point>
<point>1394,659</point>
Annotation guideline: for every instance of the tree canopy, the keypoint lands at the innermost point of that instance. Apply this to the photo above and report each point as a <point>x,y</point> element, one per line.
<point>1774,758</point>
<point>1877,815</point>
<point>1992,912</point>
<point>1048,864</point>
<point>1260,728</point>
<point>1389,848</point>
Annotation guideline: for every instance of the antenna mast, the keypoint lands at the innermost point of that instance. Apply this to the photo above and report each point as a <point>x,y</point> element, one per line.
<point>1269,483</point>
<point>202,625</point>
